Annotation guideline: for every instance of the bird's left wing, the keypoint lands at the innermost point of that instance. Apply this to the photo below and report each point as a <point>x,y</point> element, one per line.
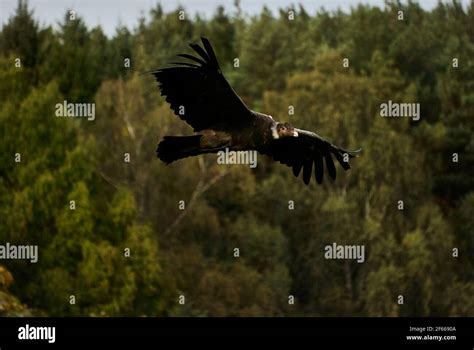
<point>199,94</point>
<point>307,150</point>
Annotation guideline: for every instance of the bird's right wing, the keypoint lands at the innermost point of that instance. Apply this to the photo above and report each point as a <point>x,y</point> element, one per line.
<point>306,150</point>
<point>199,94</point>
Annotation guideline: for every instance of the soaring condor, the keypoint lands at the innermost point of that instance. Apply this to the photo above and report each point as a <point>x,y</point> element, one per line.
<point>199,94</point>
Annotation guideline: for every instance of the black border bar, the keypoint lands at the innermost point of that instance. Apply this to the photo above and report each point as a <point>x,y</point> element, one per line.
<point>86,331</point>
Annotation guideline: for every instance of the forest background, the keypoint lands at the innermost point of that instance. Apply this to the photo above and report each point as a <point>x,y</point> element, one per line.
<point>129,250</point>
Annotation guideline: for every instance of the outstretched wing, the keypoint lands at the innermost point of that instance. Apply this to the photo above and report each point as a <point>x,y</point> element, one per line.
<point>309,150</point>
<point>199,94</point>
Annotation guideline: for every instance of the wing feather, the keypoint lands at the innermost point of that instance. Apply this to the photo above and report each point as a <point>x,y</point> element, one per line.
<point>308,166</point>
<point>318,168</point>
<point>192,58</point>
<point>305,150</point>
<point>210,52</point>
<point>199,94</point>
<point>330,166</point>
<point>200,51</point>
<point>297,169</point>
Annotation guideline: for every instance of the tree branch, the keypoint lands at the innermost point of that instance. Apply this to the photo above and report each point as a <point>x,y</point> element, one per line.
<point>199,190</point>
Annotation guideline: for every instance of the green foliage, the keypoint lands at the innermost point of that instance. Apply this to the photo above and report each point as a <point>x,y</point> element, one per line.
<point>128,249</point>
<point>20,35</point>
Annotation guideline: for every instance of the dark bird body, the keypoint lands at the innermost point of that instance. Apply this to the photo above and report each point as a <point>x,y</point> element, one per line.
<point>199,94</point>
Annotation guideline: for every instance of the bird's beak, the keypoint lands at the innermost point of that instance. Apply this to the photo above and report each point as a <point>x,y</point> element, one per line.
<point>295,133</point>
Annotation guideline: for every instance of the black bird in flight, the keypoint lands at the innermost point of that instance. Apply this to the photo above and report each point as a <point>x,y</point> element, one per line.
<point>199,94</point>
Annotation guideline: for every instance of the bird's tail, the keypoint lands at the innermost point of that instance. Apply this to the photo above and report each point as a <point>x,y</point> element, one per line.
<point>177,147</point>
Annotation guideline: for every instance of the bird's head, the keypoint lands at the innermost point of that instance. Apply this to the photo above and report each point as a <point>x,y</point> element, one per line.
<point>284,130</point>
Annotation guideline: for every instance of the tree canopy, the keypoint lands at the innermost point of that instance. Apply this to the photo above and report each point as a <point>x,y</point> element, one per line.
<point>120,233</point>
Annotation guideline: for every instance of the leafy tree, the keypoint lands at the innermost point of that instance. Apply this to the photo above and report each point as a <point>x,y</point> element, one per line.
<point>120,233</point>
